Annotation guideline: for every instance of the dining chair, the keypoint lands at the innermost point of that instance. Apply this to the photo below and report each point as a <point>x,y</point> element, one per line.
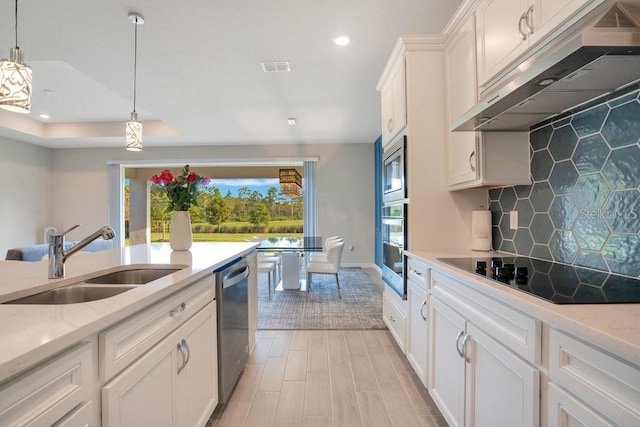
<point>267,267</point>
<point>322,256</point>
<point>332,266</point>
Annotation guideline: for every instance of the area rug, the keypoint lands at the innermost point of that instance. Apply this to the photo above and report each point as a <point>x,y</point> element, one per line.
<point>359,308</point>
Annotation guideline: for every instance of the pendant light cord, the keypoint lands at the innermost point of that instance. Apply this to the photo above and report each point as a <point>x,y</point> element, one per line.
<point>16,27</point>
<point>135,63</point>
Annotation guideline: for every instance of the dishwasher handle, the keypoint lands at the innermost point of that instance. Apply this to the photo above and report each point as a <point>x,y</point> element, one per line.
<point>235,277</point>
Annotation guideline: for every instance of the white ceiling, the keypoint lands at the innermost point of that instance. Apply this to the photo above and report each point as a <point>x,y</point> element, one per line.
<point>199,76</point>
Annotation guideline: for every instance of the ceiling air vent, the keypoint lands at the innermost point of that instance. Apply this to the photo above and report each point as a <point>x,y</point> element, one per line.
<point>276,66</point>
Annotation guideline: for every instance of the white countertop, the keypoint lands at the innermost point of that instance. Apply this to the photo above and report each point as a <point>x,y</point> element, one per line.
<point>613,327</point>
<point>31,333</point>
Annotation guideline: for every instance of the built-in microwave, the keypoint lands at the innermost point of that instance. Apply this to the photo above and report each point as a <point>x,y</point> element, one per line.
<point>394,186</point>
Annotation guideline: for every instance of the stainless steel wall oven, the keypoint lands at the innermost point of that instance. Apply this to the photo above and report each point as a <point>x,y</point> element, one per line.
<point>394,243</point>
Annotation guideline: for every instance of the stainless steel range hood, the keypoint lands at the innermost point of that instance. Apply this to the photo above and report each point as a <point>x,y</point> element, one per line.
<point>603,57</point>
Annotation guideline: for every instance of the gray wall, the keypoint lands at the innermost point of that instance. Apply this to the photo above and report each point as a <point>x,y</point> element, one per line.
<point>345,186</point>
<point>584,206</point>
<point>25,203</point>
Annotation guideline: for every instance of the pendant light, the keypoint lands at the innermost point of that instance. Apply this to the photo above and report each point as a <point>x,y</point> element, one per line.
<point>133,131</point>
<point>15,79</point>
<point>290,182</point>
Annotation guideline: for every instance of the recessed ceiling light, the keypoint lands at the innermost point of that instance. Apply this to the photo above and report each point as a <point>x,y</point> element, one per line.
<point>45,116</point>
<point>291,121</point>
<point>341,40</point>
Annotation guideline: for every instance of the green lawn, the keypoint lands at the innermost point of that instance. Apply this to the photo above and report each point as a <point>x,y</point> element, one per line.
<point>222,237</point>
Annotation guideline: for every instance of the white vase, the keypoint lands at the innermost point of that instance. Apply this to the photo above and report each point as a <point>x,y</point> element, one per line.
<point>181,236</point>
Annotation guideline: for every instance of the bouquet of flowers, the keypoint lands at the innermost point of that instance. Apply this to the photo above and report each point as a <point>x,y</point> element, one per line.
<point>182,190</point>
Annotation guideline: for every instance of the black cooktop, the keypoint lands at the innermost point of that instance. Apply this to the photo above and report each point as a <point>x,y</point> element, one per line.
<point>558,283</point>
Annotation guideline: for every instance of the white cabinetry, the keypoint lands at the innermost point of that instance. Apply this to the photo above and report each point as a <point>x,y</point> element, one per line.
<point>394,315</point>
<point>477,375</point>
<point>393,102</point>
<point>608,387</point>
<point>55,391</point>
<point>506,29</point>
<point>418,299</point>
<point>478,159</point>
<point>174,383</point>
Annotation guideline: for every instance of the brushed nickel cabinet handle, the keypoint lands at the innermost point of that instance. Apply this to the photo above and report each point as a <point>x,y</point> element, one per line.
<point>460,334</point>
<point>464,348</point>
<point>471,162</point>
<point>529,20</point>
<point>176,311</point>
<point>424,304</point>
<point>522,19</point>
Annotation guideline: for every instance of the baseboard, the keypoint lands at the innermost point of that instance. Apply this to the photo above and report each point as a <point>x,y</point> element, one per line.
<point>360,265</point>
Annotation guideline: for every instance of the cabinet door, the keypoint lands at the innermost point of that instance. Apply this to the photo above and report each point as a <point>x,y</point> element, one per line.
<point>463,157</point>
<point>565,410</point>
<point>460,65</point>
<point>447,370</point>
<point>198,378</point>
<point>548,14</point>
<point>417,343</point>
<point>143,394</point>
<point>502,389</point>
<point>386,99</point>
<point>399,98</point>
<point>498,37</point>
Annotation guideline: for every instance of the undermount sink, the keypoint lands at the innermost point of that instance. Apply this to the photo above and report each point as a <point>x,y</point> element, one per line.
<point>73,294</point>
<point>102,285</point>
<point>138,276</point>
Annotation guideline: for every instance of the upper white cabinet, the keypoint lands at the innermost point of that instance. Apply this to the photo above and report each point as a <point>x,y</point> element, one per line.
<point>506,29</point>
<point>478,159</point>
<point>393,102</point>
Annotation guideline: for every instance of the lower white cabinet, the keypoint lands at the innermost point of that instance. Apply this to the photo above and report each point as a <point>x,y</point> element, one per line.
<point>565,410</point>
<point>52,392</point>
<point>173,384</point>
<point>474,379</point>
<point>418,329</point>
<point>394,315</point>
<point>605,384</point>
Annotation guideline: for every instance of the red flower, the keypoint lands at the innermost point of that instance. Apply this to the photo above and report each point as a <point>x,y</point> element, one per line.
<point>166,176</point>
<point>155,179</point>
<point>192,177</point>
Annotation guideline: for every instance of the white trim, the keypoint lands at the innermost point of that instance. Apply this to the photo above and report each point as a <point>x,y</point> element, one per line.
<point>270,161</point>
<point>116,201</point>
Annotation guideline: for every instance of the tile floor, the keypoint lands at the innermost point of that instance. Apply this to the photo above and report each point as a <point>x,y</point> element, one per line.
<point>327,378</point>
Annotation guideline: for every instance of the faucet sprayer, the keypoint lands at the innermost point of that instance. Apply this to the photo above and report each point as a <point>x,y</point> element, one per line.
<point>58,255</point>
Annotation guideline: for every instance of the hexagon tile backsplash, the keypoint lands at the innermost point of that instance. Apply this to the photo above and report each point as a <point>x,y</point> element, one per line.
<point>583,207</point>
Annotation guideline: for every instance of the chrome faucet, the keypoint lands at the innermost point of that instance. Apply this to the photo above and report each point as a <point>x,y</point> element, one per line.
<point>58,255</point>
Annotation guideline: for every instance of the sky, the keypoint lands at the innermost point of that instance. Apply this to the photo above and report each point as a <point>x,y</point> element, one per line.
<point>257,184</point>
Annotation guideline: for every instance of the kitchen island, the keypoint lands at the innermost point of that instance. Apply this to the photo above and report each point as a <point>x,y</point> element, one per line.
<point>32,335</point>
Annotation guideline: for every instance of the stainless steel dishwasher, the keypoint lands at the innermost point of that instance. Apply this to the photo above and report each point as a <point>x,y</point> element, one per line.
<point>233,324</point>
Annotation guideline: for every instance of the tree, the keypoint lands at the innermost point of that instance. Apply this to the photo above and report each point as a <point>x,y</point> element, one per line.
<point>217,210</point>
<point>259,215</point>
<point>158,205</point>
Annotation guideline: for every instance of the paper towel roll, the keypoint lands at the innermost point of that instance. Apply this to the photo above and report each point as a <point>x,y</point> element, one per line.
<point>481,230</point>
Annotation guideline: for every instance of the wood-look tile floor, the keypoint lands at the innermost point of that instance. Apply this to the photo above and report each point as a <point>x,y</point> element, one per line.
<point>327,378</point>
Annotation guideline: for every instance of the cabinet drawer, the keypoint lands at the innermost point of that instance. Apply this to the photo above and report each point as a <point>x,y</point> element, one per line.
<point>418,273</point>
<point>565,410</point>
<point>607,384</point>
<point>395,320</point>
<point>514,329</point>
<point>125,342</point>
<point>80,416</point>
<point>50,391</point>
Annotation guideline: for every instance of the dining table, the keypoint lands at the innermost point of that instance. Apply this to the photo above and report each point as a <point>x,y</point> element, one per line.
<point>291,249</point>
